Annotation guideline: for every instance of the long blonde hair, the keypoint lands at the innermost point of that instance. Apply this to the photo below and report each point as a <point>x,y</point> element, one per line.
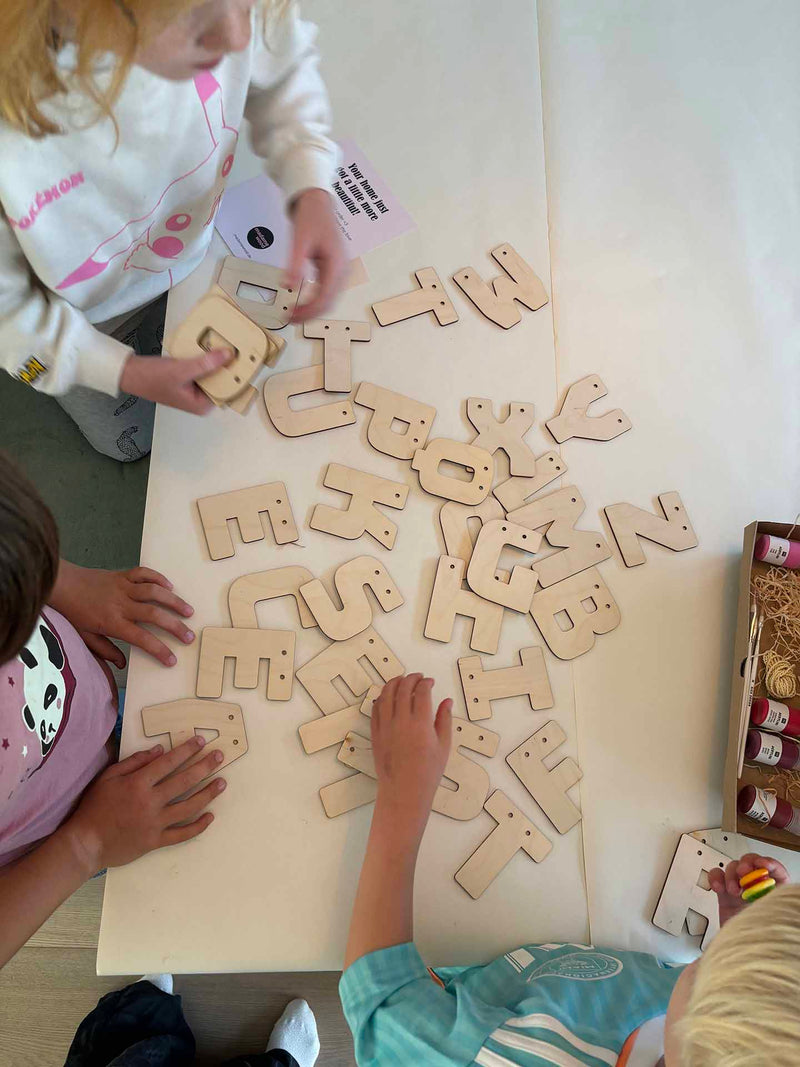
<point>743,1008</point>
<point>29,72</point>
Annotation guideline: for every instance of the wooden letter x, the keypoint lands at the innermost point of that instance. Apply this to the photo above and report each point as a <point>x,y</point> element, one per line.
<point>360,516</point>
<point>246,506</point>
<point>512,833</point>
<point>247,648</point>
<point>570,596</point>
<point>673,531</point>
<point>548,787</point>
<point>388,407</point>
<point>181,719</point>
<point>278,390</point>
<point>572,420</point>
<point>355,613</point>
<point>430,296</point>
<point>497,302</point>
<point>682,892</point>
<point>343,660</point>
<point>336,336</point>
<point>449,598</point>
<point>481,687</point>
<point>506,435</point>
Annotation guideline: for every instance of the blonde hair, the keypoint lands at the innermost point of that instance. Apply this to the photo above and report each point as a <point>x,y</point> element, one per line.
<point>29,72</point>
<point>743,1008</point>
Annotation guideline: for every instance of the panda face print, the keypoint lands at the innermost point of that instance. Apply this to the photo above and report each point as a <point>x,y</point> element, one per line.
<point>44,685</point>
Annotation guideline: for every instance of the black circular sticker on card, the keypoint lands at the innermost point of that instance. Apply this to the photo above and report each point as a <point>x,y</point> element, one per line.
<point>260,237</point>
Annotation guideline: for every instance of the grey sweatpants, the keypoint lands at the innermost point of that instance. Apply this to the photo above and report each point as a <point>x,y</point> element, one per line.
<point>121,427</point>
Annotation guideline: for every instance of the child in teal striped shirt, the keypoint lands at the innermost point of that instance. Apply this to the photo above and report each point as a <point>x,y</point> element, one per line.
<point>569,1005</point>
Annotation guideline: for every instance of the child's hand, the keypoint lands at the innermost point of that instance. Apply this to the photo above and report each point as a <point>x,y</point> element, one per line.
<point>411,744</point>
<point>726,883</point>
<point>316,238</point>
<point>132,808</point>
<point>102,604</point>
<point>173,381</point>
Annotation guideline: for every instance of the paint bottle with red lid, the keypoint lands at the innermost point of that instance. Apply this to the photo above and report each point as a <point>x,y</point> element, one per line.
<point>775,716</point>
<point>772,749</point>
<point>768,810</point>
<point>777,550</point>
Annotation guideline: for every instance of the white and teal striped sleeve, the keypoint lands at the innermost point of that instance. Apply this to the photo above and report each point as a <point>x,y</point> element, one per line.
<point>400,1016</point>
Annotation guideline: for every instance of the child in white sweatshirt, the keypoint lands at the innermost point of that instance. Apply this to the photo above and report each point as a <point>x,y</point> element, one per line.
<point>118,126</point>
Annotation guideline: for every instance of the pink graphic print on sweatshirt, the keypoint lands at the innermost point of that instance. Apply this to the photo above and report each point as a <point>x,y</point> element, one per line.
<point>154,240</point>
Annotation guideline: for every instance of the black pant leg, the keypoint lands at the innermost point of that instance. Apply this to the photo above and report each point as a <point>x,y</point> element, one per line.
<point>138,1026</point>
<point>275,1058</point>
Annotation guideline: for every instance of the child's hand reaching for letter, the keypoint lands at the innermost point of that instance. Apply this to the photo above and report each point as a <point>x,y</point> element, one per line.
<point>726,883</point>
<point>102,604</point>
<point>411,744</point>
<point>315,238</point>
<point>173,382</point>
<point>133,807</point>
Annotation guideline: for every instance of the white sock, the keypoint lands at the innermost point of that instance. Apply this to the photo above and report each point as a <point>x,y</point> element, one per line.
<point>160,981</point>
<point>296,1032</point>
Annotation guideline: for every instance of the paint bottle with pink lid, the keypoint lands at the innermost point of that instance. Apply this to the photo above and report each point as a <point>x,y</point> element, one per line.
<point>777,550</point>
<point>768,810</point>
<point>775,716</point>
<point>771,749</point>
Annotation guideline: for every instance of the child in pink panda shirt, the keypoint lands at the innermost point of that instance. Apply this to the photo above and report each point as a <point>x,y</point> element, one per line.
<point>67,809</point>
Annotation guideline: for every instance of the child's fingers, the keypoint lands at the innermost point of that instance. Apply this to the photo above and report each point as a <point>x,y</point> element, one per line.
<point>293,274</point>
<point>193,400</point>
<point>181,781</point>
<point>150,592</point>
<point>385,701</point>
<point>164,620</point>
<point>190,370</point>
<point>716,880</point>
<point>146,574</point>
<point>732,876</point>
<point>405,689</point>
<point>752,862</point>
<point>172,760</point>
<point>176,834</point>
<point>193,805</point>
<point>105,649</point>
<point>421,698</point>
<point>443,723</point>
<point>135,762</point>
<point>147,642</point>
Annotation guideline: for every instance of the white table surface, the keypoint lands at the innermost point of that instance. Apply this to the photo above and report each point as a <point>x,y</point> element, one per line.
<point>673,224</point>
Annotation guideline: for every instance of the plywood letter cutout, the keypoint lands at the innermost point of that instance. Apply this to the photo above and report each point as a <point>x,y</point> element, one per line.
<point>496,302</point>
<point>513,492</point>
<point>336,335</point>
<point>215,323</point>
<point>673,531</point>
<point>471,781</point>
<point>388,407</point>
<point>273,316</point>
<point>342,660</point>
<point>181,719</point>
<point>248,590</point>
<point>246,506</point>
<point>572,596</point>
<point>548,787</point>
<point>559,511</point>
<point>360,516</point>
<point>278,390</point>
<point>350,581</point>
<point>477,461</point>
<point>454,520</point>
<point>247,648</point>
<point>481,687</point>
<point>506,435</point>
<point>573,420</point>
<point>332,729</point>
<point>512,833</point>
<point>482,573</point>
<point>430,296</point>
<point>348,793</point>
<point>683,895</point>
<point>449,598</point>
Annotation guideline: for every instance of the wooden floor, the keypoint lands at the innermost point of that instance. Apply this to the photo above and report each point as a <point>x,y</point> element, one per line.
<point>51,985</point>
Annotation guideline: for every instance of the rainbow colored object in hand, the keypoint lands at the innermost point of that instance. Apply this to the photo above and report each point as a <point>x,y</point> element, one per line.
<point>756,884</point>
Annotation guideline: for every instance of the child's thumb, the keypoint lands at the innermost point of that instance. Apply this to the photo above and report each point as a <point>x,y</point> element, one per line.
<point>444,720</point>
<point>200,366</point>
